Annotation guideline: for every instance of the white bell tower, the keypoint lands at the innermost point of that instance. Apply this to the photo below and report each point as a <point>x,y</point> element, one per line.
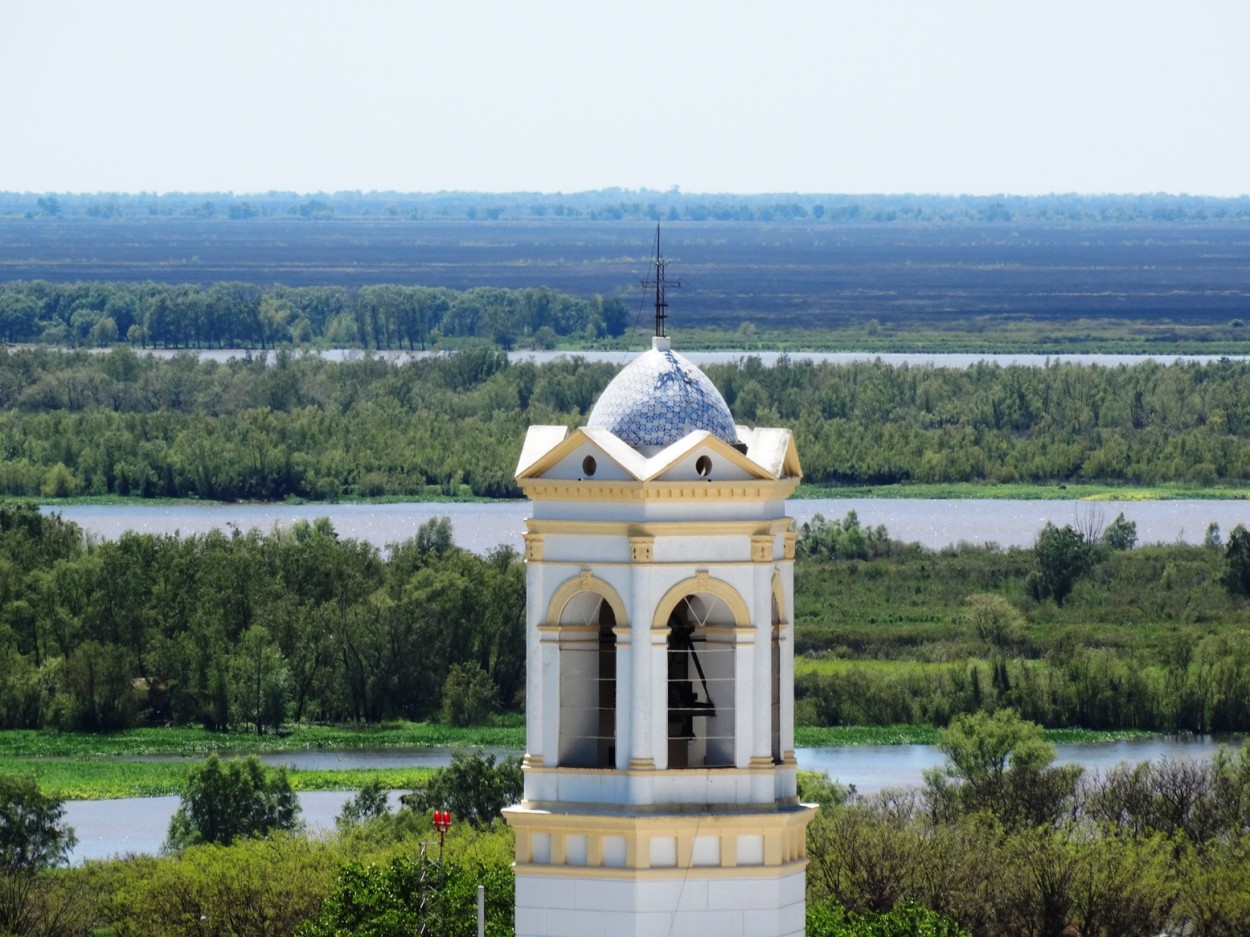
<point>660,778</point>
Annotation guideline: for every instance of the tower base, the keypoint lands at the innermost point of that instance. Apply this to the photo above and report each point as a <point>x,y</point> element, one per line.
<point>643,875</point>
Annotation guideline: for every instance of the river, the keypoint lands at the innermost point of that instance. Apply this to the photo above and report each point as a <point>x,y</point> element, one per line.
<point>484,526</point>
<point>139,824</point>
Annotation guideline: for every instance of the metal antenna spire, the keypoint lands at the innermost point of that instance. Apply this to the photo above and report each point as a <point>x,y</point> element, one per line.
<point>660,285</point>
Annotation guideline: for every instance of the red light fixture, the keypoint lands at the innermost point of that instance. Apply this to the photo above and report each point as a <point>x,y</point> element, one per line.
<point>442,821</point>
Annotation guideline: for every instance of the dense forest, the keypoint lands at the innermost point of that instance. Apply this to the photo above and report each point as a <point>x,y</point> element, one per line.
<point>125,423</point>
<point>237,628</point>
<point>628,205</point>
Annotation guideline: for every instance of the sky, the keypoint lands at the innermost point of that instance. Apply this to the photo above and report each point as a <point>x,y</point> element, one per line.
<point>873,96</point>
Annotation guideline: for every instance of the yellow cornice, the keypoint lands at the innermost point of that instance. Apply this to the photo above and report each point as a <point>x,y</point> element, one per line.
<point>552,489</point>
<point>678,873</point>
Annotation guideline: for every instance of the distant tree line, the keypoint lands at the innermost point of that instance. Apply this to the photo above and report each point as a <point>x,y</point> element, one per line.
<point>630,205</point>
<point>121,422</point>
<point>242,315</point>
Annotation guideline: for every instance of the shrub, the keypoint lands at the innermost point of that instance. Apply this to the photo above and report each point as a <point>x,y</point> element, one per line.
<point>224,801</point>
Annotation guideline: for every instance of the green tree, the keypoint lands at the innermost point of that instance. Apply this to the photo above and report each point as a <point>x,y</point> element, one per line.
<point>417,897</point>
<point>1121,533</point>
<point>469,695</point>
<point>1061,556</point>
<point>224,801</point>
<point>994,620</point>
<point>33,839</point>
<point>1002,764</point>
<point>474,788</point>
<point>1236,577</point>
<point>261,680</point>
<point>367,804</point>
<point>32,834</point>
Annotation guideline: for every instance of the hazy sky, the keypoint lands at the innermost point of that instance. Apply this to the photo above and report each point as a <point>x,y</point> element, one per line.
<point>1017,96</point>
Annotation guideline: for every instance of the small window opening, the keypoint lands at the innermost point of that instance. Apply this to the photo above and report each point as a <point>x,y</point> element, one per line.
<point>703,465</point>
<point>589,465</point>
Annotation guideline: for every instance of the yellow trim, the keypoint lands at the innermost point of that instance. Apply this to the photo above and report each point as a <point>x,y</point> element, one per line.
<point>677,872</point>
<point>789,544</point>
<point>533,547</point>
<point>762,548</point>
<point>555,489</point>
<point>586,581</point>
<point>699,583</point>
<point>782,833</point>
<point>640,549</point>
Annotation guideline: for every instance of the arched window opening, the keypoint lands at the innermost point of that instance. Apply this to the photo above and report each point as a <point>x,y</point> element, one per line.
<point>700,684</point>
<point>588,683</point>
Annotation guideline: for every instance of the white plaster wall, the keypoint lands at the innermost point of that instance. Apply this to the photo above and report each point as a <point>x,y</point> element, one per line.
<point>694,906</point>
<point>729,549</point>
<point>659,510</point>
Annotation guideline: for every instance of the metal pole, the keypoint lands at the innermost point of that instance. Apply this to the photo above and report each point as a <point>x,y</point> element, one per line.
<point>481,911</point>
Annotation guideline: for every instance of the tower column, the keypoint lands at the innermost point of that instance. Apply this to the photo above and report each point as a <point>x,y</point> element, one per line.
<point>642,752</point>
<point>762,675</point>
<point>549,693</point>
<point>624,696</point>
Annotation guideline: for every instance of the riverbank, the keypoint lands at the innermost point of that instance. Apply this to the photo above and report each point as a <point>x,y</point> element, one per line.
<point>155,762</point>
<point>955,491</point>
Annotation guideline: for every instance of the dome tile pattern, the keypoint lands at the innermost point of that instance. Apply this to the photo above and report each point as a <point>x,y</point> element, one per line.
<point>659,398</point>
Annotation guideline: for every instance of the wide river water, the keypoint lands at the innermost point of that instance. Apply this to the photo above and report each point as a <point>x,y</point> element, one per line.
<point>483,526</point>
<point>139,824</point>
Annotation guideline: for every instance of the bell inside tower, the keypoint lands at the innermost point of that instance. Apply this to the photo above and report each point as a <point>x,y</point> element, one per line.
<point>700,687</point>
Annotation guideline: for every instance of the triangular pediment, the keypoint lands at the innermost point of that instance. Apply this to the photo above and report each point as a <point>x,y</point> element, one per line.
<point>556,453</point>
<point>681,461</point>
<point>773,449</point>
<point>564,455</point>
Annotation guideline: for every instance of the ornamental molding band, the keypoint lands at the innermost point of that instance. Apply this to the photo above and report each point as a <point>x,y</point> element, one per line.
<point>533,547</point>
<point>562,490</point>
<point>584,582</point>
<point>640,549</point>
<point>702,584</point>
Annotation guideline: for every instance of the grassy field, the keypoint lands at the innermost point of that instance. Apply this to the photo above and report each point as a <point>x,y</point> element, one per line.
<point>84,766</point>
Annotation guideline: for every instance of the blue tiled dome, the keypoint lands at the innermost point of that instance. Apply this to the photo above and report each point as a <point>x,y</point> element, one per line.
<point>659,398</point>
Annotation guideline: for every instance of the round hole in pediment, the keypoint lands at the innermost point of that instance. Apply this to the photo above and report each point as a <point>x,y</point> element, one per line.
<point>589,465</point>
<point>703,465</point>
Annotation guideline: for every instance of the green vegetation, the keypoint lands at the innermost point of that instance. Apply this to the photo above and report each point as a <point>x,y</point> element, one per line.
<point>155,630</point>
<point>1147,849</point>
<point>78,424</point>
<point>225,801</point>
<point>1145,639</point>
<point>473,787</point>
<point>240,315</point>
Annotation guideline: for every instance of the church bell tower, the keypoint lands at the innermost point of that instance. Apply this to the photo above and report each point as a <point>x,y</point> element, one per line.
<point>660,778</point>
